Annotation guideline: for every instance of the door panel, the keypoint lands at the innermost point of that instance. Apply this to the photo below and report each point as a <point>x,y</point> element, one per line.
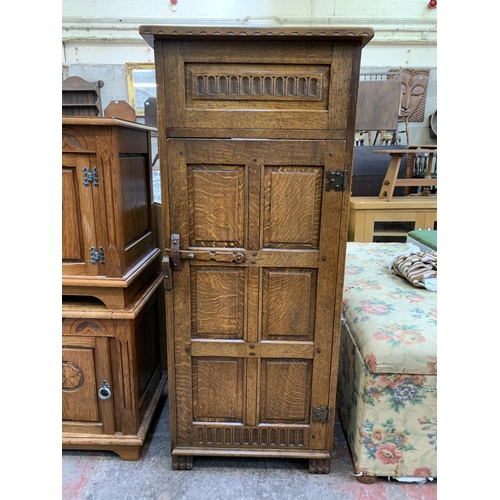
<point>292,204</point>
<point>253,334</point>
<point>216,205</point>
<point>285,391</point>
<point>218,389</point>
<point>78,222</point>
<point>217,302</point>
<point>85,365</point>
<point>288,304</point>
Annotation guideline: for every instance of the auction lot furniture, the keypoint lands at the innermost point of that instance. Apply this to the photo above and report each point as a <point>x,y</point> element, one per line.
<point>373,219</point>
<point>387,386</point>
<point>112,376</point>
<point>256,136</point>
<point>391,181</point>
<point>113,305</point>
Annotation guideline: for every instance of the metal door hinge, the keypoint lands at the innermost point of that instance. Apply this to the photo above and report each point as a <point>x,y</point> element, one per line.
<point>336,180</point>
<point>96,255</point>
<point>320,414</point>
<point>89,177</point>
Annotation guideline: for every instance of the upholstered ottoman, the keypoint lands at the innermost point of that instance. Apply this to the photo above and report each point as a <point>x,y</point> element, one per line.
<point>387,379</point>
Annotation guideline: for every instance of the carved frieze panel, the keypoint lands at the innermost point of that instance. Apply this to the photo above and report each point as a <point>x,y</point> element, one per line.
<point>234,85</point>
<point>251,436</point>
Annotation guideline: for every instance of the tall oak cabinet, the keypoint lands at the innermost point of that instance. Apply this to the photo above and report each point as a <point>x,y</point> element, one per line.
<point>256,136</point>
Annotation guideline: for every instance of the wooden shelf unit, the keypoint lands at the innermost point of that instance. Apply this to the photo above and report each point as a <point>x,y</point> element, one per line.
<point>366,213</point>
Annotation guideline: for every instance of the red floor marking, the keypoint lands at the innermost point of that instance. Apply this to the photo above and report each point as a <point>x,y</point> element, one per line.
<point>70,489</point>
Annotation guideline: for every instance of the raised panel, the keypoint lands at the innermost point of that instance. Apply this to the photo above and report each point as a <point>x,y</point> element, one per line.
<point>285,391</point>
<point>292,206</point>
<point>72,237</point>
<point>217,389</point>
<point>147,351</point>
<point>288,304</point>
<point>79,388</point>
<point>135,201</point>
<point>78,218</point>
<point>216,205</point>
<point>217,302</point>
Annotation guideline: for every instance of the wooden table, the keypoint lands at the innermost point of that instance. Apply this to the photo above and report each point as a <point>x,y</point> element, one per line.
<point>391,181</point>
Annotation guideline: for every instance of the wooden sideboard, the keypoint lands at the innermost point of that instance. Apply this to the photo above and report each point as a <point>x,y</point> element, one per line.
<point>376,219</point>
<point>113,372</point>
<point>113,300</point>
<point>256,133</point>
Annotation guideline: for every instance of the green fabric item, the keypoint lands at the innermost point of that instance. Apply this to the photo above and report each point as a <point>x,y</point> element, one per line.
<point>425,237</point>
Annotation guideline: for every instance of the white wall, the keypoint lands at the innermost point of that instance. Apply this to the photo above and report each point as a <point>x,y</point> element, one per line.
<point>99,36</point>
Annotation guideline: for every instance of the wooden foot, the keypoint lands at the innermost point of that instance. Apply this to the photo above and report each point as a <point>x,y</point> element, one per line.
<point>319,466</point>
<point>367,479</point>
<point>182,462</point>
<point>128,453</point>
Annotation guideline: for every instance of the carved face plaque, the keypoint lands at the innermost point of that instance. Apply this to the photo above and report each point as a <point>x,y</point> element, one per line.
<point>413,93</point>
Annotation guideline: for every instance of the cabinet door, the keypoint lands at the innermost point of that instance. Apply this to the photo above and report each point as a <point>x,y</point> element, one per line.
<point>78,219</point>
<point>253,303</point>
<point>87,402</point>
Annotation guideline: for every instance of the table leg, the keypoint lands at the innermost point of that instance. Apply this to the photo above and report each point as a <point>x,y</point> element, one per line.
<point>426,191</point>
<point>391,175</point>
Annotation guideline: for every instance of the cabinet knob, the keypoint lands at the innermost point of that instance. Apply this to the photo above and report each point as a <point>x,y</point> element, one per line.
<point>104,391</point>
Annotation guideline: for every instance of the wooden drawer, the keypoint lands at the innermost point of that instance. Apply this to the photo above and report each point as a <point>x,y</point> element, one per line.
<point>113,372</point>
<point>274,86</point>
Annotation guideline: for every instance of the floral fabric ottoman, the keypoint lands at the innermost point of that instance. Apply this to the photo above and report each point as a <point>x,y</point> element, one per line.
<point>386,395</point>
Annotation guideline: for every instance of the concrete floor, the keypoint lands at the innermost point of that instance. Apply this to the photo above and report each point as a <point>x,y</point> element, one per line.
<point>102,475</point>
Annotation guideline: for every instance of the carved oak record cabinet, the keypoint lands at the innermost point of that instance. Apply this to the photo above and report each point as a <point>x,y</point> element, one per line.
<point>256,135</point>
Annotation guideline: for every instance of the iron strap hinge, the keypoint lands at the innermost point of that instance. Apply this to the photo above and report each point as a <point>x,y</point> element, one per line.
<point>89,176</point>
<point>320,414</point>
<point>336,180</point>
<point>96,255</point>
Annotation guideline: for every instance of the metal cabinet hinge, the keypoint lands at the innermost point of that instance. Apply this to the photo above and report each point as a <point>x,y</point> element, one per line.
<point>96,255</point>
<point>336,180</point>
<point>89,177</point>
<point>320,414</point>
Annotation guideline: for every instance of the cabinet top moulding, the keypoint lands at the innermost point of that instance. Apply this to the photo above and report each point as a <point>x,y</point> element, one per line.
<point>114,122</point>
<point>149,33</point>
